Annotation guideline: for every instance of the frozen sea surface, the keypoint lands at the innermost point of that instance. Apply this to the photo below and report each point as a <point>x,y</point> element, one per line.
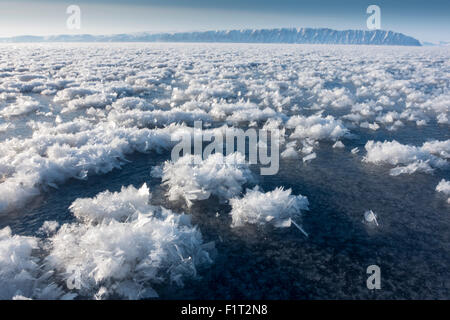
<point>79,120</point>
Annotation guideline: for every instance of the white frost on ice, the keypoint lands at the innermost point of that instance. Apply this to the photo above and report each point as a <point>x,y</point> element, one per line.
<point>191,178</point>
<point>73,111</point>
<point>123,247</point>
<point>338,144</point>
<point>316,127</point>
<point>107,206</point>
<point>372,126</point>
<point>4,127</point>
<point>370,217</point>
<point>444,187</point>
<point>49,227</point>
<point>18,268</point>
<point>310,157</point>
<point>20,272</point>
<point>276,207</point>
<point>85,108</point>
<point>406,158</point>
<point>242,111</point>
<point>128,258</point>
<point>22,106</point>
<point>289,153</point>
<point>70,150</point>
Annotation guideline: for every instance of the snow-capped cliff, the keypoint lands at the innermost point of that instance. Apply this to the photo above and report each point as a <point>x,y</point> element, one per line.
<point>282,35</point>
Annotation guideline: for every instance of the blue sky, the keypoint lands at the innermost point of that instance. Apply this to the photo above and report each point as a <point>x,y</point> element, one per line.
<point>426,20</point>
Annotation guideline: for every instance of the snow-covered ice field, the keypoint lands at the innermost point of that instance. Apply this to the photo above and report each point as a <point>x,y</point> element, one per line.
<point>93,207</point>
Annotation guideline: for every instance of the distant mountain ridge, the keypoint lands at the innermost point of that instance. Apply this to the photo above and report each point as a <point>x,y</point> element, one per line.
<point>280,35</point>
